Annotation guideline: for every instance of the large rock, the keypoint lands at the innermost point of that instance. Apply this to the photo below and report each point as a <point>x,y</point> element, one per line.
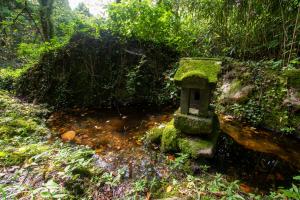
<point>235,92</point>
<point>293,100</point>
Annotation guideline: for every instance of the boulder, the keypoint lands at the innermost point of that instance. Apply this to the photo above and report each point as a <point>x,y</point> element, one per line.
<point>235,92</point>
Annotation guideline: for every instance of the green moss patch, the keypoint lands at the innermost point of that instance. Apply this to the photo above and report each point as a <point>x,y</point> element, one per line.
<point>154,134</point>
<point>19,155</point>
<point>196,147</point>
<point>169,138</point>
<point>198,67</point>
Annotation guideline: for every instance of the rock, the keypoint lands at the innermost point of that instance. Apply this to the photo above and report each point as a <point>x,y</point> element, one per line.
<point>293,100</point>
<point>242,94</point>
<point>68,136</point>
<point>235,92</point>
<point>196,147</point>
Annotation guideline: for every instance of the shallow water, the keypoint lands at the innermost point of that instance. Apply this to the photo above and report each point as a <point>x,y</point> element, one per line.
<point>117,139</point>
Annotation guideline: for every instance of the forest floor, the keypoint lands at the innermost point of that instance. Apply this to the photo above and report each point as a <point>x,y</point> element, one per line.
<point>36,163</point>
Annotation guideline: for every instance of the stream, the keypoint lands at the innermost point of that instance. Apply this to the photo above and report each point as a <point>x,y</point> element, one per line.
<point>244,153</point>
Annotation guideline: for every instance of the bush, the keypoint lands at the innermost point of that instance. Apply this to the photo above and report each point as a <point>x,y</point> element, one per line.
<point>101,71</point>
<point>9,77</point>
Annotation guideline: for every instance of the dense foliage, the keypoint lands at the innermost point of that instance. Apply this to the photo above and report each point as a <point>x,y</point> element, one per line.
<point>105,71</point>
<point>242,29</point>
<point>52,54</point>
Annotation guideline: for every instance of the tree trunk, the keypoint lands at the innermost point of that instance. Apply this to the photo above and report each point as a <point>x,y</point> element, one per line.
<point>46,8</point>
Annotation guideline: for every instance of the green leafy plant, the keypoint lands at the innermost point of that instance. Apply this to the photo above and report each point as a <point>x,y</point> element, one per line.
<point>181,162</point>
<point>51,190</point>
<point>113,180</point>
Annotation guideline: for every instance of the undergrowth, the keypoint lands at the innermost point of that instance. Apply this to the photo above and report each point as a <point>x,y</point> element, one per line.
<point>265,105</point>
<point>33,166</point>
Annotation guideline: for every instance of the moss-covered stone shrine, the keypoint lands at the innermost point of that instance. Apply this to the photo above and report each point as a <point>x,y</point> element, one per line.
<point>194,129</point>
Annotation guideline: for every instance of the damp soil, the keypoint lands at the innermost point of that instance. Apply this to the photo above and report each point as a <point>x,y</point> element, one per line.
<point>117,136</point>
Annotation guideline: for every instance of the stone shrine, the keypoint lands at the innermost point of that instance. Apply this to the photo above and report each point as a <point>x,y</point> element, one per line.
<point>195,119</point>
<point>195,128</point>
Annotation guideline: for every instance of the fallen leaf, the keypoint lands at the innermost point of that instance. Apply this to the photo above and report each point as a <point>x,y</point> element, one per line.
<point>148,196</point>
<point>169,188</point>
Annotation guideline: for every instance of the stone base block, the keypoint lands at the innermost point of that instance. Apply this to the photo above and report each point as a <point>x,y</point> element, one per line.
<point>192,124</point>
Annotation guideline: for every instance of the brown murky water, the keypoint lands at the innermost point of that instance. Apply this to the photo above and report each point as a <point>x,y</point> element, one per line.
<point>117,139</point>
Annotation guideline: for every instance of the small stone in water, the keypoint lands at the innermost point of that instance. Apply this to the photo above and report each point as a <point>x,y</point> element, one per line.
<point>68,136</point>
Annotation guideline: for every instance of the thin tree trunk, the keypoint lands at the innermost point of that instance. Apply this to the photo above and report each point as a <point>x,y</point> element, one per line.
<point>294,35</point>
<point>46,8</point>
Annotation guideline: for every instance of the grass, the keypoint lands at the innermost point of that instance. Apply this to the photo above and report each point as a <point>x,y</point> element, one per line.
<point>32,167</point>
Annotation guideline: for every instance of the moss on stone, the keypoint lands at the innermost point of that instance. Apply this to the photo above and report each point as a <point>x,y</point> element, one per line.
<point>196,147</point>
<point>235,86</point>
<point>169,138</point>
<point>198,67</point>
<point>154,134</point>
<point>193,125</point>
